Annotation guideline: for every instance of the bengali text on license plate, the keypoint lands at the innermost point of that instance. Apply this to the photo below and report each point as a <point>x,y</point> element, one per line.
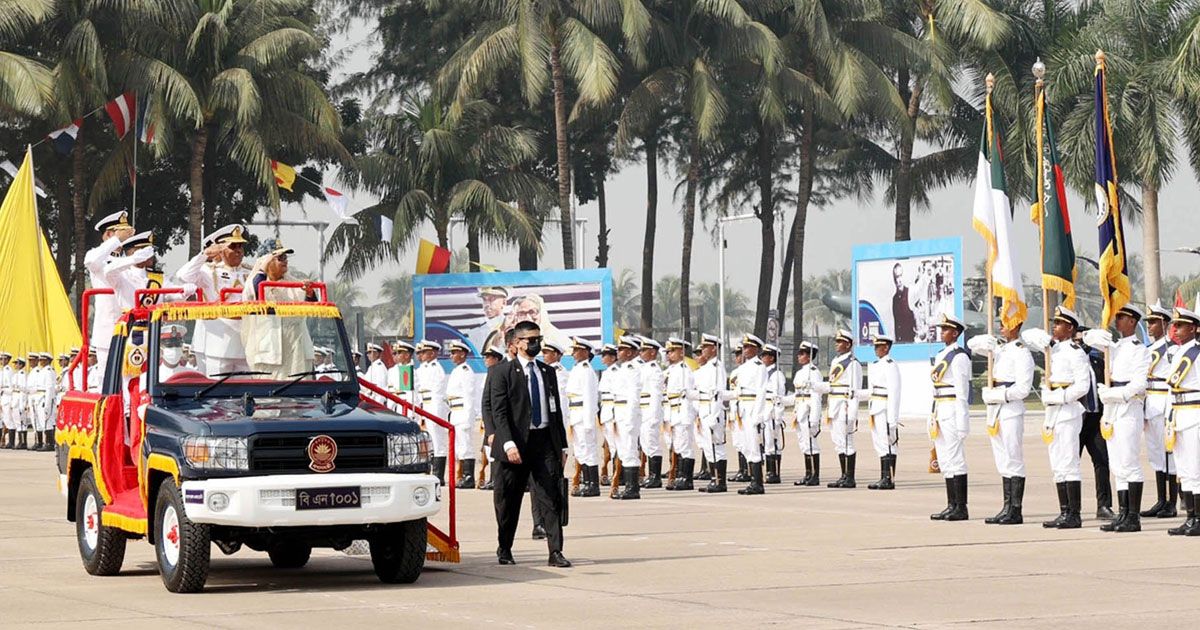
<point>328,498</point>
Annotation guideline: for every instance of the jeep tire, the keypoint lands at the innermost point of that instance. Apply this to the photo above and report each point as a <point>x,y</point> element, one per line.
<point>398,552</point>
<point>289,554</point>
<point>101,548</point>
<point>182,548</point>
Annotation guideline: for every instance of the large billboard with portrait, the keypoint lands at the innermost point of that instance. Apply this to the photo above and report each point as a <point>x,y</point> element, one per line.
<point>479,307</point>
<point>901,289</point>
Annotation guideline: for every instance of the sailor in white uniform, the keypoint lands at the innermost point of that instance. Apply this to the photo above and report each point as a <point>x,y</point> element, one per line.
<point>806,400</point>
<point>749,392</point>
<point>651,406</point>
<point>772,426</point>
<point>681,414</point>
<point>1162,350</point>
<point>845,379</point>
<point>7,422</point>
<point>710,380</point>
<point>950,422</point>
<point>1183,416</point>
<point>218,342</point>
<point>20,406</point>
<point>376,370</point>
<point>883,404</point>
<point>583,408</point>
<point>624,380</point>
<point>114,228</point>
<point>1011,383</point>
<point>430,382</point>
<point>463,400</point>
<point>400,375</point>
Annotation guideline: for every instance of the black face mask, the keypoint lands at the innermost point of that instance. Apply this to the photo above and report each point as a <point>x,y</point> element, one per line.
<point>533,349</point>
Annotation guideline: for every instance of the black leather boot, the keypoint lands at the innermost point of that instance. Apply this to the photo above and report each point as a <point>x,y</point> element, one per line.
<point>1122,512</point>
<point>841,481</point>
<point>11,443</point>
<point>1160,485</point>
<point>756,480</point>
<point>1169,510</point>
<point>653,473</point>
<point>705,473</point>
<point>960,512</point>
<point>885,475</point>
<point>48,441</point>
<point>1103,494</point>
<point>1063,507</point>
<point>1189,505</point>
<point>807,472</point>
<point>22,440</point>
<point>593,482</point>
<point>815,480</point>
<point>1007,483</point>
<point>1016,499</point>
<point>950,496</point>
<point>1133,519</point>
<point>776,463</point>
<point>743,473</point>
<point>685,482</point>
<point>719,482</point>
<point>632,489</point>
<point>850,459</point>
<point>1074,506</point>
<point>37,441</point>
<point>468,476</point>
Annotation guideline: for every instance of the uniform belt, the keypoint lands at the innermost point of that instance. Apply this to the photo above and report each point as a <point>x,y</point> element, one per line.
<point>1185,399</point>
<point>1059,385</point>
<point>747,398</point>
<point>674,396</point>
<point>1119,383</point>
<point>942,397</point>
<point>1156,379</point>
<point>575,404</point>
<point>1004,384</point>
<point>457,407</point>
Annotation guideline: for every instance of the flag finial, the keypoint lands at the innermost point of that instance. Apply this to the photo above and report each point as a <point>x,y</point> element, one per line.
<point>1039,70</point>
<point>990,81</point>
<point>1100,57</point>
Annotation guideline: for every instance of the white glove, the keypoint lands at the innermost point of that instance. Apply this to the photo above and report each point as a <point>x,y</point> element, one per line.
<point>862,395</point>
<point>189,289</point>
<point>821,388</point>
<point>1037,339</point>
<point>1110,395</point>
<point>1097,338</point>
<point>995,395</point>
<point>982,344</point>
<point>142,255</point>
<point>1054,396</point>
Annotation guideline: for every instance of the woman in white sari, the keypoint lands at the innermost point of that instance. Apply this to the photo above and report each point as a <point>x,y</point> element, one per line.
<point>280,346</point>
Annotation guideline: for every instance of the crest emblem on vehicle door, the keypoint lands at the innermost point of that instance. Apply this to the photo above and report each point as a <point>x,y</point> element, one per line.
<point>322,450</point>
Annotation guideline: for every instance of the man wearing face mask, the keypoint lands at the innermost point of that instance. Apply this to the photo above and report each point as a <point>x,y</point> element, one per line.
<point>530,442</point>
<point>170,352</point>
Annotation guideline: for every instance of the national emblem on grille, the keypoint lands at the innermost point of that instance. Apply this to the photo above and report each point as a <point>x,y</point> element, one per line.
<point>322,450</point>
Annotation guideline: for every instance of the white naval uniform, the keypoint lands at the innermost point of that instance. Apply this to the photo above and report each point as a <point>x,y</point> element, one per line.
<point>430,384</point>
<point>1184,414</point>
<point>104,307</point>
<point>1071,378</point>
<point>583,406</point>
<point>708,383</point>
<point>626,386</point>
<point>845,379</point>
<point>463,400</point>
<point>951,419</point>
<point>681,415</point>
<point>20,400</point>
<point>7,398</point>
<point>1125,407</point>
<point>377,375</point>
<point>1157,392</point>
<point>651,405</point>
<point>1012,371</point>
<point>883,404</point>
<point>608,411</point>
<point>775,391</point>
<point>750,396</point>
<point>45,389</point>
<point>217,343</point>
<point>806,399</point>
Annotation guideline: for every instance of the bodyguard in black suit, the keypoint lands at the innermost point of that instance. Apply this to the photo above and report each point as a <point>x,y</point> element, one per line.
<point>529,441</point>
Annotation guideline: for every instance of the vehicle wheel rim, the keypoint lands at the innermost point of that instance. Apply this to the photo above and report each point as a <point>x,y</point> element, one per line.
<point>91,522</point>
<point>170,536</point>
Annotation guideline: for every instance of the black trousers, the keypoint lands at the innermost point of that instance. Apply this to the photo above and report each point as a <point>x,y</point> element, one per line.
<point>541,463</point>
<point>1097,449</point>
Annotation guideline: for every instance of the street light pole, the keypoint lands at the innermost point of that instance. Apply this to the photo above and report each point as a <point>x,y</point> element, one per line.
<point>721,221</point>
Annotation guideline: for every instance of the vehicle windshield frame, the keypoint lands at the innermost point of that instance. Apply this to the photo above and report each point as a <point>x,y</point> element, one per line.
<point>236,387</point>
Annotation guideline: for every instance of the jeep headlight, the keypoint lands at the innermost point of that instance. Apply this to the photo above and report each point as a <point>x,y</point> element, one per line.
<point>408,449</point>
<point>216,453</point>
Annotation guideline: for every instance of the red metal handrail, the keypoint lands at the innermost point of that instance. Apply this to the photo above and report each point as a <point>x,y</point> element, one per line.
<point>287,284</point>
<point>451,463</point>
<point>84,308</point>
<point>141,293</point>
<point>228,291</point>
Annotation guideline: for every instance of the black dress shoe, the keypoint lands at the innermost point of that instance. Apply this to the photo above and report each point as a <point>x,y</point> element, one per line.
<point>504,556</point>
<point>557,560</point>
<point>539,532</point>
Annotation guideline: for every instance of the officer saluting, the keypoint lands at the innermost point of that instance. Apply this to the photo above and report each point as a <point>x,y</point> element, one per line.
<point>1124,414</point>
<point>883,400</point>
<point>218,342</point>
<point>950,423</point>
<point>1162,350</point>
<point>807,382</point>
<point>113,229</point>
<point>845,379</point>
<point>1012,380</point>
<point>1183,419</point>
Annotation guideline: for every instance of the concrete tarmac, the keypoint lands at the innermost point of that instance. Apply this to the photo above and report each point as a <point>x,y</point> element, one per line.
<point>796,557</point>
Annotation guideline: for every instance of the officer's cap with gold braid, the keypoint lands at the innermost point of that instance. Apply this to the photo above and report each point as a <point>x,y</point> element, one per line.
<point>232,233</point>
<point>608,348</point>
<point>553,345</point>
<point>950,321</point>
<point>844,335</point>
<point>675,343</point>
<point>494,351</point>
<point>1066,315</point>
<point>401,344</point>
<point>580,342</point>
<point>771,349</point>
<point>1184,316</point>
<point>1157,312</point>
<point>650,344</point>
<point>1133,311</point>
<point>138,241</point>
<point>710,340</point>
<point>629,341</point>
<point>883,340</point>
<point>751,340</point>
<point>374,347</point>
<point>459,345</point>
<point>114,220</point>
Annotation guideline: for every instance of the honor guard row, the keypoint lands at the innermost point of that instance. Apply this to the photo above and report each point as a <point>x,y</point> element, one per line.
<point>31,388</point>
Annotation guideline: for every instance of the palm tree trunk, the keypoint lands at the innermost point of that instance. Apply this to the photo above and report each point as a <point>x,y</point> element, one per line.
<point>564,165</point>
<point>602,237</point>
<point>79,208</point>
<point>689,226</point>
<point>647,323</point>
<point>766,216</point>
<point>441,226</point>
<point>903,181</point>
<point>785,273</point>
<point>1152,265</point>
<point>196,190</point>
<point>473,246</point>
<point>803,195</point>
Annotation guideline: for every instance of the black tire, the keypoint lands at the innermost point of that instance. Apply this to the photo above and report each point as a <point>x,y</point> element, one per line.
<point>105,553</point>
<point>187,543</point>
<point>289,555</point>
<point>398,552</point>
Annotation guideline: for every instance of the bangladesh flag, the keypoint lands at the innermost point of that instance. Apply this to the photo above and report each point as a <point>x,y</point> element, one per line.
<point>1050,214</point>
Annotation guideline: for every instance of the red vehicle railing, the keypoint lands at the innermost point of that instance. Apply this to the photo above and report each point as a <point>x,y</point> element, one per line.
<point>288,284</point>
<point>228,291</point>
<point>451,538</point>
<point>85,307</point>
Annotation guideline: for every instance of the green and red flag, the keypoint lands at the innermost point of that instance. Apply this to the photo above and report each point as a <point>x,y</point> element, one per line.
<point>1050,214</point>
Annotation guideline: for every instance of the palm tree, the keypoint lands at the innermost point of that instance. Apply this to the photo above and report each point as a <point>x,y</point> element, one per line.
<point>626,299</point>
<point>667,291</point>
<point>739,315</point>
<point>427,167</point>
<point>544,41</point>
<point>25,84</point>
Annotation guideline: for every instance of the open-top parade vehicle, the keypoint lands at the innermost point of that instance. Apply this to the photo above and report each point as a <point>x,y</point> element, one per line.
<point>270,457</point>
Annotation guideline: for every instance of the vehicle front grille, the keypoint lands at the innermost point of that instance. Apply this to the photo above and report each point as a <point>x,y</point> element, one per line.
<point>275,453</point>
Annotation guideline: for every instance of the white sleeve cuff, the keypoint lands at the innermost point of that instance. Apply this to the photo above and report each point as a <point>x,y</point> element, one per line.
<point>509,444</point>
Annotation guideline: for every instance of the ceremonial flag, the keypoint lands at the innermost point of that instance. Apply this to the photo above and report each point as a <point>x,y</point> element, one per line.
<point>337,201</point>
<point>1179,303</point>
<point>123,111</point>
<point>1049,212</point>
<point>64,139</point>
<point>992,218</point>
<point>385,228</point>
<point>432,259</point>
<point>285,176</point>
<point>37,313</point>
<point>1114,272</point>
<point>38,187</point>
<point>145,127</point>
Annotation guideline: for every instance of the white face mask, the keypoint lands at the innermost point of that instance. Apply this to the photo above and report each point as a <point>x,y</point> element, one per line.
<point>172,355</point>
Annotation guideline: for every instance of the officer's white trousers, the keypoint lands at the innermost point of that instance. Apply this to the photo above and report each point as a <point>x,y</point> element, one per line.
<point>627,443</point>
<point>951,456</point>
<point>651,438</point>
<point>1064,449</point>
<point>1187,458</point>
<point>1007,447</point>
<point>843,428</point>
<point>1155,430</point>
<point>683,440</point>
<point>584,444</point>
<point>1125,451</point>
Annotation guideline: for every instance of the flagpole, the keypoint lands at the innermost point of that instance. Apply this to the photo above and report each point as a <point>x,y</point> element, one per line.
<point>991,296</point>
<point>136,142</point>
<point>1039,107</point>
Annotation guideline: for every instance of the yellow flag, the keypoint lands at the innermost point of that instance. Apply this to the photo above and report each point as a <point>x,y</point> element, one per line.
<point>34,306</point>
<point>285,176</point>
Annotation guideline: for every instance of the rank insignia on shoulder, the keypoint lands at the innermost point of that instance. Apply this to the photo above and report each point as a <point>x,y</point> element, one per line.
<point>1018,343</point>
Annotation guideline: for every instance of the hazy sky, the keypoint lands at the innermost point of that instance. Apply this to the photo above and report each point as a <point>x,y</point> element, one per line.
<point>831,231</point>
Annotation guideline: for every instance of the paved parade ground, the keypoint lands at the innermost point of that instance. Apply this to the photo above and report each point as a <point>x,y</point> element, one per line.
<point>799,557</point>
